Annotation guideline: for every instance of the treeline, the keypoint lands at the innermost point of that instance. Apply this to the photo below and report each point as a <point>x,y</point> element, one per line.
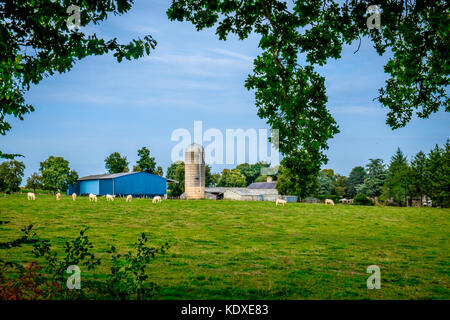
<point>54,175</point>
<point>401,182</point>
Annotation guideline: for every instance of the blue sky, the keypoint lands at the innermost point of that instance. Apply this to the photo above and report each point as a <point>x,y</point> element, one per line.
<point>102,106</point>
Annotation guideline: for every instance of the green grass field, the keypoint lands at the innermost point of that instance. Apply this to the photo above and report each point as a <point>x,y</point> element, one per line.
<point>254,250</point>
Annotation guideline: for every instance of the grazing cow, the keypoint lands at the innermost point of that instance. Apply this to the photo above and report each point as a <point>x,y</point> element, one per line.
<point>31,196</point>
<point>280,202</point>
<point>109,197</point>
<point>129,197</point>
<point>156,199</point>
<point>74,196</point>
<point>329,201</point>
<point>58,196</point>
<point>92,197</point>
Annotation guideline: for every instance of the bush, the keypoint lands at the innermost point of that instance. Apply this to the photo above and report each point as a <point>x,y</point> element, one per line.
<point>323,197</point>
<point>362,200</point>
<point>128,277</point>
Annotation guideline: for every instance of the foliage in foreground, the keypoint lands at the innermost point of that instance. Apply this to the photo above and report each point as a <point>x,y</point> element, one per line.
<point>49,279</point>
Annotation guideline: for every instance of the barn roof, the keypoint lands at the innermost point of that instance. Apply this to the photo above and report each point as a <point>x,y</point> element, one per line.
<point>263,185</point>
<point>216,189</point>
<point>253,192</point>
<point>105,176</point>
<point>113,175</point>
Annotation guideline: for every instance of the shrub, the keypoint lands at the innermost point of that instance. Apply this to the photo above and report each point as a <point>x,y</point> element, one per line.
<point>127,279</point>
<point>362,200</point>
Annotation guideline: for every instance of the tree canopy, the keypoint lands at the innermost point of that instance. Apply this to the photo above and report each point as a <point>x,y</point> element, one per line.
<point>398,178</point>
<point>232,179</point>
<point>374,179</point>
<point>35,42</point>
<point>56,174</point>
<point>176,172</point>
<point>11,173</point>
<point>145,162</point>
<point>115,163</point>
<point>34,182</point>
<point>355,179</point>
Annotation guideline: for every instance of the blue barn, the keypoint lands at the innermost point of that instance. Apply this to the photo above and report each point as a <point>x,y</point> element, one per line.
<point>138,184</point>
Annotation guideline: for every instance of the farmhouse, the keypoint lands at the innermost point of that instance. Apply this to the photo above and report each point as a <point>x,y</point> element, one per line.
<point>138,184</point>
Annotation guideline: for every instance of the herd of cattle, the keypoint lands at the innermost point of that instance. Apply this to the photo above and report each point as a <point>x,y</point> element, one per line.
<point>93,197</point>
<point>157,199</point>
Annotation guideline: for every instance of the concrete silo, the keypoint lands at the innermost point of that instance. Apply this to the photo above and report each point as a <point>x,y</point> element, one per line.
<point>194,175</point>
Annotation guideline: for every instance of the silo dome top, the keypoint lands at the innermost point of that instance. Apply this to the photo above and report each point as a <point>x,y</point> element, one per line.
<point>194,147</point>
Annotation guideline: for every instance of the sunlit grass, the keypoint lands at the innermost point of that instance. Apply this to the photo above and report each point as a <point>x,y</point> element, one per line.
<point>254,250</point>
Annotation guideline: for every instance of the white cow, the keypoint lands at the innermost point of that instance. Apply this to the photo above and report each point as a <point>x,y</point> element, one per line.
<point>74,196</point>
<point>129,197</point>
<point>58,196</point>
<point>92,197</point>
<point>109,197</point>
<point>280,202</point>
<point>31,196</point>
<point>329,201</point>
<point>156,199</point>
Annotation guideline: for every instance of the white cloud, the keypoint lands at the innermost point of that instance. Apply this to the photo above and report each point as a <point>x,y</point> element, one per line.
<point>232,54</point>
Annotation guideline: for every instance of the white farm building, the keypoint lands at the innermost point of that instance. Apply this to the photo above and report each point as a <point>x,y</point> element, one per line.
<point>258,191</point>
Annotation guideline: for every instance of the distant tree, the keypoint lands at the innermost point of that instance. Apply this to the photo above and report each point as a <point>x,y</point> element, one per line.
<point>340,186</point>
<point>374,180</point>
<point>398,178</point>
<point>56,174</point>
<point>115,163</point>
<point>145,162</point>
<point>176,172</point>
<point>159,171</point>
<point>284,185</point>
<point>252,171</point>
<point>247,170</point>
<point>34,182</point>
<point>262,178</point>
<point>11,173</point>
<point>232,178</point>
<point>210,179</point>
<point>418,187</point>
<point>136,168</point>
<point>324,182</point>
<point>355,179</point>
<point>328,172</point>
<point>214,180</point>
<point>438,174</point>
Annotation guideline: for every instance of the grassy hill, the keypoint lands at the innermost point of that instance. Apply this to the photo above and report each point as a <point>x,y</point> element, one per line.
<point>254,250</point>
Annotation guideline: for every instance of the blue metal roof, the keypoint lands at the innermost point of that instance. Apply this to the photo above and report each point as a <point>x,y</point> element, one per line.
<point>263,185</point>
<point>116,175</point>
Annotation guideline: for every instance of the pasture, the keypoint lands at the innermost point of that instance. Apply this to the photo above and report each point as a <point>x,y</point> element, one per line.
<point>253,250</point>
